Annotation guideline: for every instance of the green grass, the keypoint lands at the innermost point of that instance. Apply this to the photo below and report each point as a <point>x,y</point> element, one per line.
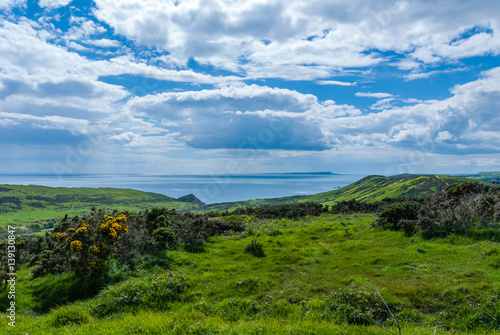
<point>313,279</point>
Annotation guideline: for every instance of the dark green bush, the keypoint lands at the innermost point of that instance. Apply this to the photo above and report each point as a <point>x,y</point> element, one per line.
<point>255,248</point>
<point>392,215</point>
<point>165,236</point>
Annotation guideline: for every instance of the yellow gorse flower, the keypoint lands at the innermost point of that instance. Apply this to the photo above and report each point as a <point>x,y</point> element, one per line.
<point>113,225</point>
<point>81,230</point>
<point>60,236</point>
<point>94,250</point>
<point>76,246</point>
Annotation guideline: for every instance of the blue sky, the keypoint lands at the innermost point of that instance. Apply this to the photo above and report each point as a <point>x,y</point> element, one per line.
<point>233,86</point>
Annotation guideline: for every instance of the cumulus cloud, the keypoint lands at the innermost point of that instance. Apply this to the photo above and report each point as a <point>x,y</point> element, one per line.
<point>268,39</point>
<point>467,123</point>
<point>9,4</point>
<point>243,117</point>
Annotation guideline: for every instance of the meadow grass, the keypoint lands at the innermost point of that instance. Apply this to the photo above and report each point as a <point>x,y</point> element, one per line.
<point>318,276</point>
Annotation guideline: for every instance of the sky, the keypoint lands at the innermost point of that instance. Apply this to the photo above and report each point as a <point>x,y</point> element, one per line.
<point>261,86</point>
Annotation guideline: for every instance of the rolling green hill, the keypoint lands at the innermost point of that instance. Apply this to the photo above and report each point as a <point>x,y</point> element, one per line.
<point>23,205</point>
<point>369,189</point>
<point>376,188</point>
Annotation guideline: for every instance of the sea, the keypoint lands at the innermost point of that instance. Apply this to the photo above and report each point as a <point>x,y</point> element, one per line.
<point>208,188</point>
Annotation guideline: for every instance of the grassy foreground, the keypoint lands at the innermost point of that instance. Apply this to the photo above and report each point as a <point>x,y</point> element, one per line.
<point>318,276</point>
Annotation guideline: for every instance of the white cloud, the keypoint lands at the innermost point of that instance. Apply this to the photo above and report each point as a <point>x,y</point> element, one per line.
<point>75,126</point>
<point>336,82</point>
<point>53,4</point>
<point>103,43</point>
<point>131,139</point>
<point>9,4</point>
<point>373,95</point>
<point>470,118</point>
<point>306,40</point>
<point>382,104</point>
<point>274,118</point>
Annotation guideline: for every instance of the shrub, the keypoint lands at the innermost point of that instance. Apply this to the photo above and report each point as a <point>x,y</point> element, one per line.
<point>165,236</point>
<point>391,216</point>
<point>66,315</point>
<point>255,248</point>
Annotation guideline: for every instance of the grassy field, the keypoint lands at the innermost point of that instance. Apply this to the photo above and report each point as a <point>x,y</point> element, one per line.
<point>318,276</point>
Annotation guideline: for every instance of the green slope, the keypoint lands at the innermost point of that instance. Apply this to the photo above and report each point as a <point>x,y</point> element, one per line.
<point>376,188</point>
<point>369,189</point>
<point>21,205</point>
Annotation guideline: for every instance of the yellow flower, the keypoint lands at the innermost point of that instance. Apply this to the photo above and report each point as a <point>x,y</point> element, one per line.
<point>94,250</point>
<point>121,217</point>
<point>113,233</point>
<point>83,224</point>
<point>81,230</point>
<point>76,246</point>
<point>60,236</point>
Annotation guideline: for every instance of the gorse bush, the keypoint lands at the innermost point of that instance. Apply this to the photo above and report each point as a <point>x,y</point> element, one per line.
<point>86,245</point>
<point>290,211</point>
<point>460,209</point>
<point>392,216</point>
<point>83,246</point>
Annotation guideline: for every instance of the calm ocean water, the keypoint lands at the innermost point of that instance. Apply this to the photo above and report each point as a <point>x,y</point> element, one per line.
<point>209,189</point>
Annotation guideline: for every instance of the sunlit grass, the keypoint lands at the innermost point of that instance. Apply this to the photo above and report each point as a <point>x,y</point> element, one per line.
<point>453,280</point>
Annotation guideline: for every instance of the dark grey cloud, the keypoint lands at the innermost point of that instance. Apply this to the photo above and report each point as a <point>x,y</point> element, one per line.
<point>253,132</point>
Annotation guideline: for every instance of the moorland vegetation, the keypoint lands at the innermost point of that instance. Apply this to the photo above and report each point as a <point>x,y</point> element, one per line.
<point>401,265</point>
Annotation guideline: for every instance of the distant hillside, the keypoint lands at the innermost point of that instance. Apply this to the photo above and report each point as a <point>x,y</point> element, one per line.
<point>369,189</point>
<point>190,198</point>
<point>376,188</point>
<point>486,176</point>
<point>21,205</point>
